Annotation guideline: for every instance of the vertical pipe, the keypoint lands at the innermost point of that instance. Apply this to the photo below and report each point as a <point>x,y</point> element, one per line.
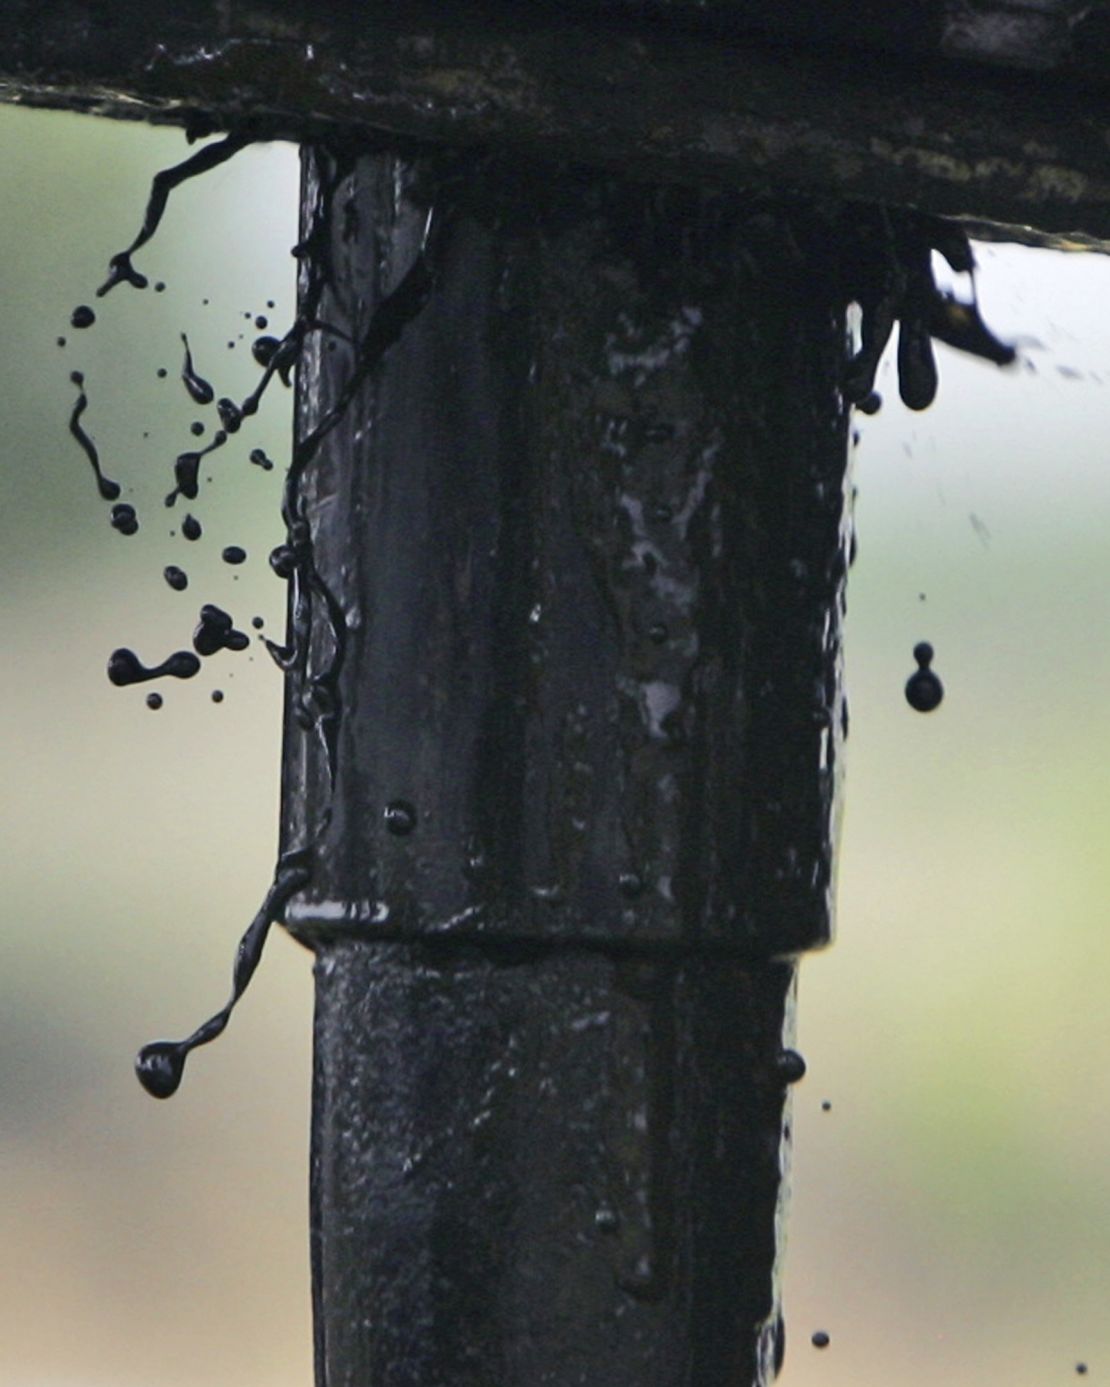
<point>567,541</point>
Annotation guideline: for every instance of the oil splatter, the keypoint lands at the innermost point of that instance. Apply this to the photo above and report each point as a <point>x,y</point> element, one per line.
<point>125,667</point>
<point>186,470</point>
<point>108,489</point>
<point>231,416</point>
<point>200,391</point>
<point>177,578</point>
<point>124,519</point>
<point>82,316</point>
<point>924,691</point>
<point>120,268</point>
<point>259,458</point>
<point>160,1065</point>
<point>216,631</point>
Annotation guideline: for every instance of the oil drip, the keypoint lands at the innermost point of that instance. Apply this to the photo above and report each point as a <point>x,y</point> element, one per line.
<point>216,631</point>
<point>888,273</point>
<point>200,391</point>
<point>186,469</point>
<point>924,691</point>
<point>124,519</point>
<point>108,489</point>
<point>120,267</point>
<point>160,1065</point>
<point>125,667</point>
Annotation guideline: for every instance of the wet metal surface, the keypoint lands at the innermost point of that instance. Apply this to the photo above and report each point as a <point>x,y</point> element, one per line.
<point>567,557</point>
<point>578,562</point>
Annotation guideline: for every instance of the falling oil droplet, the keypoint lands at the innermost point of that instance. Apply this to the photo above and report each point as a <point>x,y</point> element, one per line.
<point>216,631</point>
<point>108,489</point>
<point>198,388</point>
<point>124,519</point>
<point>125,667</point>
<point>1081,1369</point>
<point>400,817</point>
<point>154,701</point>
<point>177,578</point>
<point>159,1065</point>
<point>924,691</point>
<point>190,528</point>
<point>826,1106</point>
<point>82,316</point>
<point>217,695</point>
<point>259,458</point>
<point>819,1339</point>
<point>233,554</point>
<point>196,428</point>
<point>257,622</point>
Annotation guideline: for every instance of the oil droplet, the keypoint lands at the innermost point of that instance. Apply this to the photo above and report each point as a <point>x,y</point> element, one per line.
<point>216,631</point>
<point>283,562</point>
<point>159,1065</point>
<point>819,1339</point>
<point>233,554</point>
<point>108,489</point>
<point>161,373</point>
<point>826,1106</point>
<point>160,287</point>
<point>259,458</point>
<point>177,578</point>
<point>217,695</point>
<point>61,341</point>
<point>871,403</point>
<point>82,316</point>
<point>261,322</point>
<point>125,667</point>
<point>124,519</point>
<point>190,528</point>
<point>791,1066</point>
<point>257,622</point>
<point>154,701</point>
<point>196,428</point>
<point>199,389</point>
<point>924,691</point>
<point>231,416</point>
<point>400,817</point>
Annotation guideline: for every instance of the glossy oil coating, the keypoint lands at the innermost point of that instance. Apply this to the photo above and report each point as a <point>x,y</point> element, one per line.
<point>559,1169</point>
<point>567,555</point>
<point>573,543</point>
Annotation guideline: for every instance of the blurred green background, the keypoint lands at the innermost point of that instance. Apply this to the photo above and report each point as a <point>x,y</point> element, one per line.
<point>951,1211</point>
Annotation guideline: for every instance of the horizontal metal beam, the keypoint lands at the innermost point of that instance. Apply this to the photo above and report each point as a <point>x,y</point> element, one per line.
<point>657,99</point>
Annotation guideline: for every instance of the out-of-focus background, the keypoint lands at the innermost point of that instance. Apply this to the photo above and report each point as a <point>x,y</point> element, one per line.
<point>951,1212</point>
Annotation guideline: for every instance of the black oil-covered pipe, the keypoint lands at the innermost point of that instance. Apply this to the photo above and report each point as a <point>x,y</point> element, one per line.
<point>568,531</point>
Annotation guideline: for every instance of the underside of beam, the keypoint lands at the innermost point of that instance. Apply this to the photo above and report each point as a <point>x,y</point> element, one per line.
<point>667,99</point>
